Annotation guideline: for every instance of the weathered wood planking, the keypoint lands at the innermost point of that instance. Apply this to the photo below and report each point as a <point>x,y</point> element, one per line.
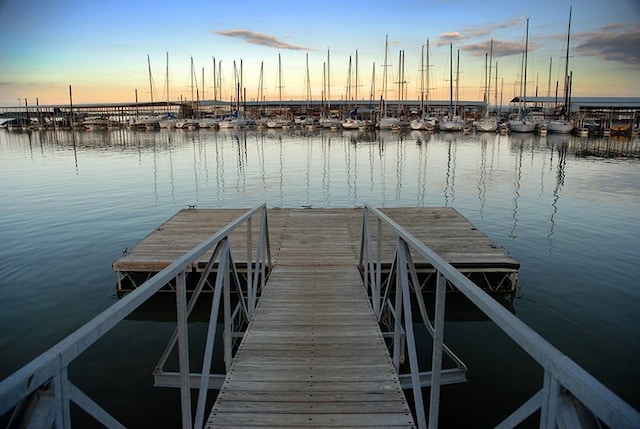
<point>313,355</point>
<point>443,229</point>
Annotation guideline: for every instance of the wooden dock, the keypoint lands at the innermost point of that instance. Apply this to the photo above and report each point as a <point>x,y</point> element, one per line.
<point>444,230</point>
<point>314,354</point>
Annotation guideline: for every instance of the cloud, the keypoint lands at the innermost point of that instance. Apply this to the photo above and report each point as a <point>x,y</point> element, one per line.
<point>260,39</point>
<point>446,38</point>
<point>615,42</point>
<point>501,48</point>
<point>484,31</point>
<point>489,29</point>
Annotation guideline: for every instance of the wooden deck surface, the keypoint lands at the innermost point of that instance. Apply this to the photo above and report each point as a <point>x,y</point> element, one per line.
<point>443,229</point>
<point>313,355</point>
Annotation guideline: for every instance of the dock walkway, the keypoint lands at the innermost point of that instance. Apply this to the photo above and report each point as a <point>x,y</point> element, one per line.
<point>313,355</point>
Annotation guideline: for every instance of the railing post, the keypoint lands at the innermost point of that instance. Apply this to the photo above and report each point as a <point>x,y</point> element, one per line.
<point>183,349</point>
<point>436,357</point>
<point>226,290</point>
<point>61,398</point>
<point>551,387</point>
<point>209,346</point>
<point>250,296</point>
<point>397,325</point>
<point>408,327</point>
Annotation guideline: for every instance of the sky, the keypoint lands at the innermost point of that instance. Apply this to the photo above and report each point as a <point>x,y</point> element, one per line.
<point>111,51</point>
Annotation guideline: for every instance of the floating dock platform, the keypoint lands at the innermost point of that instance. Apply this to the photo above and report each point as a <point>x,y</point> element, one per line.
<point>443,229</point>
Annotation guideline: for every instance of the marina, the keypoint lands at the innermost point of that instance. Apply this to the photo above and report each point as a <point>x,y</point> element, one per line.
<point>601,116</point>
<point>531,196</point>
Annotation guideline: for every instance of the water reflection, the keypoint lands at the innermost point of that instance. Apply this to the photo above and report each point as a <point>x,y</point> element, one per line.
<point>328,168</point>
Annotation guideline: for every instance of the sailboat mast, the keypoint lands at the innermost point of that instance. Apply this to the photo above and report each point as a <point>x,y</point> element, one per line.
<point>427,97</point>
<point>215,89</point>
<point>192,81</point>
<point>373,85</point>
<point>457,80</point>
<point>496,97</point>
<point>167,81</point>
<point>422,78</point>
<point>485,98</point>
<point>260,83</point>
<point>328,82</point>
<point>308,83</point>
<point>279,80</point>
<point>489,80</point>
<point>526,51</point>
<point>566,66</point>
<point>451,78</point>
<point>356,92</point>
<point>384,69</point>
<point>150,79</point>
<point>348,94</point>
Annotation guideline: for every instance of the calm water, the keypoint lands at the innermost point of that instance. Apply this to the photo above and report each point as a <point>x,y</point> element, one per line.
<point>566,208</point>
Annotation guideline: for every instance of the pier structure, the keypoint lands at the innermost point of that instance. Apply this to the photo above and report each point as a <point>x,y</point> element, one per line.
<point>315,328</point>
<point>443,229</point>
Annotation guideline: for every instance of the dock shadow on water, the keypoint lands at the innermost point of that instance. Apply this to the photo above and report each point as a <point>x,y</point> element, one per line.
<point>564,207</point>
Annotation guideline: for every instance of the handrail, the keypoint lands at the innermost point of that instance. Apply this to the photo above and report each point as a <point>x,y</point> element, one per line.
<point>559,369</point>
<point>50,368</point>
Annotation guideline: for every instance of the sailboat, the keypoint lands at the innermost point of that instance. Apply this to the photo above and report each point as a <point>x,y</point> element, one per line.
<point>488,123</point>
<point>564,125</point>
<point>351,122</point>
<point>385,122</point>
<point>280,121</point>
<point>520,122</point>
<point>148,121</point>
<point>425,121</point>
<point>169,120</point>
<point>453,122</point>
<point>328,121</point>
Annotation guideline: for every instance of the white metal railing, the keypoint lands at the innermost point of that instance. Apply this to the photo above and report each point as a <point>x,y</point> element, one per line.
<point>46,375</point>
<point>564,381</point>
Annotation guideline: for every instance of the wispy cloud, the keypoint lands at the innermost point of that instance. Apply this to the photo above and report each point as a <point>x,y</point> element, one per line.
<point>501,48</point>
<point>476,40</point>
<point>484,31</point>
<point>617,42</point>
<point>451,37</point>
<point>260,39</point>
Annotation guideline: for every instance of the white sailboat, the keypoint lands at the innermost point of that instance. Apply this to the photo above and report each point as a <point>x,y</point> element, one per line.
<point>488,124</point>
<point>452,122</point>
<point>520,122</point>
<point>279,121</point>
<point>351,122</point>
<point>148,121</point>
<point>385,122</point>
<point>168,121</point>
<point>426,121</point>
<point>327,120</point>
<point>564,125</point>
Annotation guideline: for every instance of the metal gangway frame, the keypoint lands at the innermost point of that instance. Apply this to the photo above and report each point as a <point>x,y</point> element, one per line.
<point>43,385</point>
<point>564,382</point>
